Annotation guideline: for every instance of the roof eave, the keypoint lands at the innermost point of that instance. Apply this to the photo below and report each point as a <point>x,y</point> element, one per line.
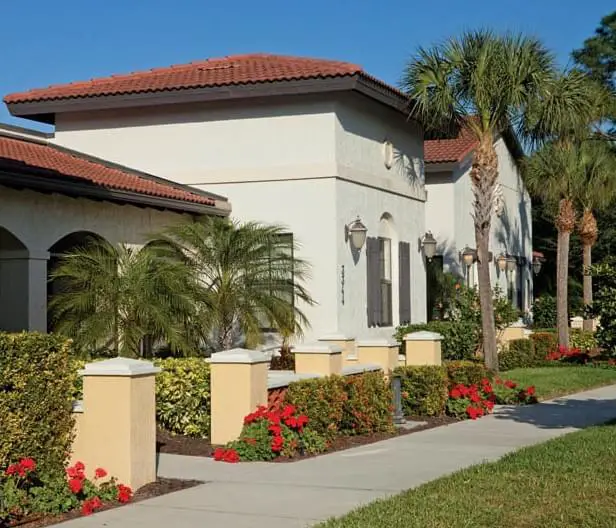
<point>44,110</point>
<point>70,187</point>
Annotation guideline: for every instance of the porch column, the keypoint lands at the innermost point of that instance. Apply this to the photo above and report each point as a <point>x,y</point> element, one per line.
<point>23,290</point>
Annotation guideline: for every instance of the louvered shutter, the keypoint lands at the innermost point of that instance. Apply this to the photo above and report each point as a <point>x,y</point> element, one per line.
<point>404,281</point>
<point>373,304</point>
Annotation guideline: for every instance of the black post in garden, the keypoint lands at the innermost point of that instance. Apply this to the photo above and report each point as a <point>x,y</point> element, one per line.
<point>396,385</point>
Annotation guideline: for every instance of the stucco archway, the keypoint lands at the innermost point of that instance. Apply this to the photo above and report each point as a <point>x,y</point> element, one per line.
<point>66,244</point>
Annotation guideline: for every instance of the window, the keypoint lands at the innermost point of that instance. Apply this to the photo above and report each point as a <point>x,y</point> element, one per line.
<point>385,281</point>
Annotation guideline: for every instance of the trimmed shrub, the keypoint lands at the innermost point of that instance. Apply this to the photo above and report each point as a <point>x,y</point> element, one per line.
<point>520,353</point>
<point>583,339</point>
<point>36,418</point>
<point>183,396</point>
<point>339,406</point>
<point>460,338</point>
<point>466,372</point>
<point>424,390</point>
<point>544,312</point>
<point>544,343</point>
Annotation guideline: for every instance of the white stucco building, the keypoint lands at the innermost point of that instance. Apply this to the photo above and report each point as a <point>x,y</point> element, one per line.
<point>310,144</point>
<point>54,198</point>
<point>449,214</point>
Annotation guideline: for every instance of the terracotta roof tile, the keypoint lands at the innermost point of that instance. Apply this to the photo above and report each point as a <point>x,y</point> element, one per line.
<point>450,150</point>
<point>232,70</point>
<point>71,164</point>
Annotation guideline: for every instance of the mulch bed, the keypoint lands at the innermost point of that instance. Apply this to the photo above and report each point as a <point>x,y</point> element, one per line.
<point>201,447</point>
<point>162,486</point>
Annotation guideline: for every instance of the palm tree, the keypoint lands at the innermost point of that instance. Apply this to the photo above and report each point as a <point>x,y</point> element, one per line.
<point>249,277</point>
<point>111,297</point>
<point>483,83</point>
<point>598,192</point>
<point>565,174</point>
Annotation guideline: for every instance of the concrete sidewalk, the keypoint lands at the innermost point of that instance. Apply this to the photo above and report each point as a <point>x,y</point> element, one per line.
<point>300,494</point>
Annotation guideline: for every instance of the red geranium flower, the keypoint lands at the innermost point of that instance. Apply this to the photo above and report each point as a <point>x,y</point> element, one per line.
<point>288,411</point>
<point>530,390</point>
<point>510,384</point>
<point>277,443</point>
<point>100,473</point>
<point>219,453</point>
<point>75,485</point>
<point>124,493</point>
<point>28,464</point>
<point>276,429</point>
<point>231,456</point>
<point>79,466</point>
<point>455,393</point>
<point>475,398</point>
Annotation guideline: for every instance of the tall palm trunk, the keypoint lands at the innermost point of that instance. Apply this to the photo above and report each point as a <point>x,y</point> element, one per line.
<point>483,177</point>
<point>565,223</point>
<point>588,234</point>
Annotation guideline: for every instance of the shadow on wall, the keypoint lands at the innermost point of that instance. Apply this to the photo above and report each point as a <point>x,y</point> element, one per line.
<point>561,413</point>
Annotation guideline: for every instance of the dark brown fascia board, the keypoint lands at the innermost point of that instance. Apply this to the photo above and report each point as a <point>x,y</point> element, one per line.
<point>69,187</point>
<point>44,111</point>
<point>441,167</point>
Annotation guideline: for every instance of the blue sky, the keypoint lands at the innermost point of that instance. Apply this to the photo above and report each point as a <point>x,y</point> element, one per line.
<point>49,42</point>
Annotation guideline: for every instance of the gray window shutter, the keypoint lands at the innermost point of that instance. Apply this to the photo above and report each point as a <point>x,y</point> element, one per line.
<point>373,304</point>
<point>404,281</point>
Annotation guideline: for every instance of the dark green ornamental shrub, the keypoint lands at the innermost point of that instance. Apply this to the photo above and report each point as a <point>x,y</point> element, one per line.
<point>544,312</point>
<point>424,390</point>
<point>519,353</point>
<point>466,372</point>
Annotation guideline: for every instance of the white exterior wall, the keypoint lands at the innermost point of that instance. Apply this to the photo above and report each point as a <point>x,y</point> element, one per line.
<point>511,232</point>
<point>308,163</point>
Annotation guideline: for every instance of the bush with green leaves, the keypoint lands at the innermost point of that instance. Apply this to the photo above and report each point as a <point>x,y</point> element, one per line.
<point>466,372</point>
<point>424,390</point>
<point>544,343</point>
<point>519,353</point>
<point>461,330</point>
<point>604,304</point>
<point>183,396</point>
<point>585,340</point>
<point>460,338</point>
<point>342,406</point>
<point>36,383</point>
<point>544,312</point>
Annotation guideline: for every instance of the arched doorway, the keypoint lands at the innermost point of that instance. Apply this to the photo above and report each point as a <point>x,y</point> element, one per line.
<point>22,303</point>
<point>68,243</point>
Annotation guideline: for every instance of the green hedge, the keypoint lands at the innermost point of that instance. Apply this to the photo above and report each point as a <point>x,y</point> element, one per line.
<point>183,396</point>
<point>583,339</point>
<point>544,343</point>
<point>340,406</point>
<point>424,390</point>
<point>35,399</point>
<point>460,338</point>
<point>466,372</point>
<point>520,353</point>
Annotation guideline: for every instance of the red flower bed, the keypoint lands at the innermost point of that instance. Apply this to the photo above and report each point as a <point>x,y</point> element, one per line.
<point>476,400</point>
<point>565,354</point>
<point>268,434</point>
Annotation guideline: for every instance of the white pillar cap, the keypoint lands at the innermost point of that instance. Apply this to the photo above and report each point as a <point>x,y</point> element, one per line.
<point>423,335</point>
<point>239,355</point>
<point>119,366</point>
<point>317,348</point>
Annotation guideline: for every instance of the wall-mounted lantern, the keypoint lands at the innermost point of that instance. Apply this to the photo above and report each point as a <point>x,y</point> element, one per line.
<point>512,264</point>
<point>356,233</point>
<point>537,263</point>
<point>468,256</point>
<point>428,243</point>
<point>501,262</point>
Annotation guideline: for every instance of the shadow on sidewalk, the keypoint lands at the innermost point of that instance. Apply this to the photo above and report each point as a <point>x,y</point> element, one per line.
<point>560,414</point>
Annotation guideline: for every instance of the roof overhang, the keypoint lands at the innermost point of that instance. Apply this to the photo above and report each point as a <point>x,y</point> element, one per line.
<point>44,111</point>
<point>46,181</point>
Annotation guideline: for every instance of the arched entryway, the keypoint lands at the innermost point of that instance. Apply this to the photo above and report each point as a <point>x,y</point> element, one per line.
<point>68,243</point>
<point>22,285</point>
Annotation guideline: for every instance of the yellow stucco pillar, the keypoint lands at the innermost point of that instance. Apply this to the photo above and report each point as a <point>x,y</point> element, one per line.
<point>238,386</point>
<point>349,351</point>
<point>318,358</point>
<point>423,348</point>
<point>117,427</point>
<point>381,352</point>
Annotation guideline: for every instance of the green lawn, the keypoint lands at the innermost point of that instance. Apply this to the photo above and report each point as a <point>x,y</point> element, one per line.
<point>551,382</point>
<point>567,482</point>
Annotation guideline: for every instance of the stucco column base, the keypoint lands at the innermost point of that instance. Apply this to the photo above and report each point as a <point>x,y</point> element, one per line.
<point>238,384</point>
<point>515,331</point>
<point>117,430</point>
<point>349,351</point>
<point>382,352</point>
<point>423,348</point>
<point>318,358</point>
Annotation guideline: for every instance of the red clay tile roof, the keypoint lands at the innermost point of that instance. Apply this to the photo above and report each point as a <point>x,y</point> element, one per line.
<point>450,150</point>
<point>20,153</point>
<point>232,70</point>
